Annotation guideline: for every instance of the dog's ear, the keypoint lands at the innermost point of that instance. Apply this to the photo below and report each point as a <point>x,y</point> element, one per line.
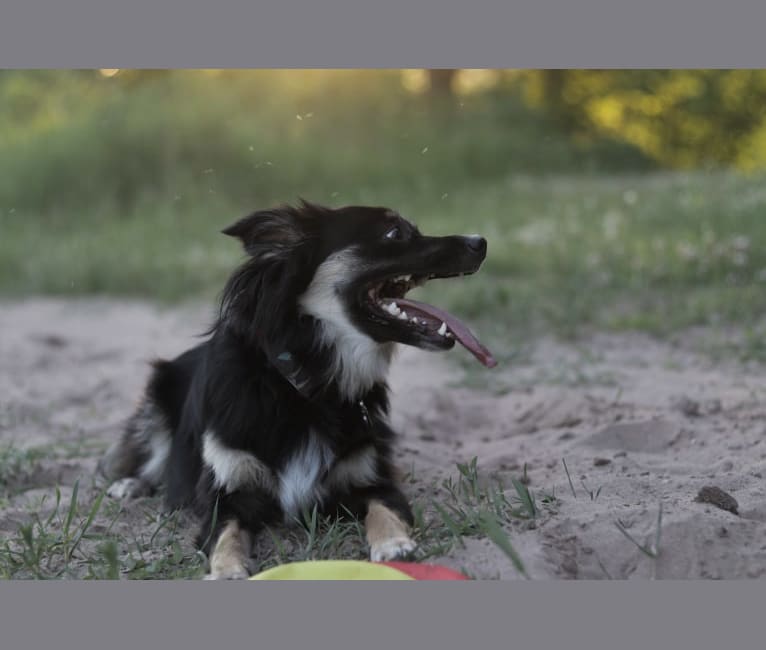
<point>268,231</point>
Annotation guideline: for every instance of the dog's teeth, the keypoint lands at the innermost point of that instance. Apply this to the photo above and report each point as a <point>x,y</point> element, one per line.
<point>393,309</point>
<point>442,330</point>
<point>402,315</point>
<point>414,320</point>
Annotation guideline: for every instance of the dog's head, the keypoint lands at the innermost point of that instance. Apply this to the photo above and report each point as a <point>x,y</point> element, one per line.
<point>348,270</point>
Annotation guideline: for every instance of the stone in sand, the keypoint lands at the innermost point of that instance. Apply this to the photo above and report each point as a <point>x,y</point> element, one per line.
<point>717,497</point>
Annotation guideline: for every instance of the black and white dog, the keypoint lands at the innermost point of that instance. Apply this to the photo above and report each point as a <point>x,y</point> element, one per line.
<point>284,406</point>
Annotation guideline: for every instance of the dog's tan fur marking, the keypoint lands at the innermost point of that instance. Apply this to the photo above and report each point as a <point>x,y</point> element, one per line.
<point>387,535</point>
<point>229,558</point>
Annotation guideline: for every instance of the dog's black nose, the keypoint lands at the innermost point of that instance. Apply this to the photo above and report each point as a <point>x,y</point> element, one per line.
<point>476,244</point>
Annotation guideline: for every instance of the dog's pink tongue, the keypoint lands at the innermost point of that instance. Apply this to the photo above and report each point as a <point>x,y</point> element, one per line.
<point>459,330</point>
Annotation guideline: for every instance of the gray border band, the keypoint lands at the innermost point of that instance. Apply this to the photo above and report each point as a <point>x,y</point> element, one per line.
<point>370,615</point>
<point>443,33</point>
<point>390,33</point>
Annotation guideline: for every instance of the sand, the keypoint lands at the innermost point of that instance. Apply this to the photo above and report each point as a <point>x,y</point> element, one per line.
<point>638,421</point>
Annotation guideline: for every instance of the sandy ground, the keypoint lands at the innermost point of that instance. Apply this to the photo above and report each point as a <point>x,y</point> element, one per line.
<point>638,422</point>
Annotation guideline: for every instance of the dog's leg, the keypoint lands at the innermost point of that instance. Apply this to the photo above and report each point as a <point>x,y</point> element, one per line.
<point>231,523</point>
<point>388,524</point>
<point>228,560</point>
<point>130,487</point>
<point>136,462</point>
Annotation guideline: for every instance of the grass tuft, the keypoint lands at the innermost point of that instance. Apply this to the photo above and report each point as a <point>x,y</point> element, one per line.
<point>467,507</point>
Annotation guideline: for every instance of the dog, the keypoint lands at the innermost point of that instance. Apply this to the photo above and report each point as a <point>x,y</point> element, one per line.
<point>284,406</point>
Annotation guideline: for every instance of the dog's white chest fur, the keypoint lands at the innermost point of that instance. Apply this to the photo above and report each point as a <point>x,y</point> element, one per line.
<point>306,479</point>
<point>313,472</point>
<point>301,479</point>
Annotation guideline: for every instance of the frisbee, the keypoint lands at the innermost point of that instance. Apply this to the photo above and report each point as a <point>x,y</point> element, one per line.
<point>357,570</point>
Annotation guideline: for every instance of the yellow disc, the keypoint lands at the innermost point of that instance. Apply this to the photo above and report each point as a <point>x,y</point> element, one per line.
<point>331,570</point>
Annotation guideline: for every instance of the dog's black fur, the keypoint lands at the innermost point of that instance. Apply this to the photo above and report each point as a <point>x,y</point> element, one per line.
<point>253,424</point>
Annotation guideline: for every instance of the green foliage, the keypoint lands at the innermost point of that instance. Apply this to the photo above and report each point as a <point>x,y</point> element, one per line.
<point>79,142</point>
<point>682,118</point>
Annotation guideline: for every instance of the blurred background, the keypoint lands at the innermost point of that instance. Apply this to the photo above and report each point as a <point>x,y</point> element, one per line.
<point>611,199</point>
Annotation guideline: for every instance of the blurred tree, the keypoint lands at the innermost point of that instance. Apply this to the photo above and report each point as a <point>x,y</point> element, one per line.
<point>440,82</point>
<point>553,84</point>
<point>683,118</point>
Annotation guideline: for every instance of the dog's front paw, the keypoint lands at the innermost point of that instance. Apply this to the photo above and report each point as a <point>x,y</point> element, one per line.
<point>233,572</point>
<point>129,488</point>
<point>393,548</point>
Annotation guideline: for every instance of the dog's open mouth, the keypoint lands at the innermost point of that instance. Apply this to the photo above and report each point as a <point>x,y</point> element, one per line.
<point>437,328</point>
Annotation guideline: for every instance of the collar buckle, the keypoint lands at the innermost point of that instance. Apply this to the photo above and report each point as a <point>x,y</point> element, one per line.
<point>365,413</point>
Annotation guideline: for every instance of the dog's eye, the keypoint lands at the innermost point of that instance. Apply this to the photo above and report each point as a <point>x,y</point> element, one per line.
<point>394,233</point>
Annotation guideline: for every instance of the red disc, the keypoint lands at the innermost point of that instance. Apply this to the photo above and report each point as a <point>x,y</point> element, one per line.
<point>425,571</point>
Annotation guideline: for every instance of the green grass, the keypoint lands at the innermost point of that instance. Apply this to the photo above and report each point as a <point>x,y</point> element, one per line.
<point>655,253</point>
<point>120,188</point>
<point>652,548</point>
<point>48,546</point>
<point>87,536</point>
<point>15,463</point>
<point>458,508</point>
<point>469,506</point>
<point>80,539</point>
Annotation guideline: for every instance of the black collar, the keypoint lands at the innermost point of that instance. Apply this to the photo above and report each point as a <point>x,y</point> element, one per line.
<point>305,384</point>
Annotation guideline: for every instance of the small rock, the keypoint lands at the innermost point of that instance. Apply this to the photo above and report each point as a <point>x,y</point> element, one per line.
<point>688,407</point>
<point>52,340</point>
<point>717,497</point>
<point>723,531</point>
<point>600,462</point>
